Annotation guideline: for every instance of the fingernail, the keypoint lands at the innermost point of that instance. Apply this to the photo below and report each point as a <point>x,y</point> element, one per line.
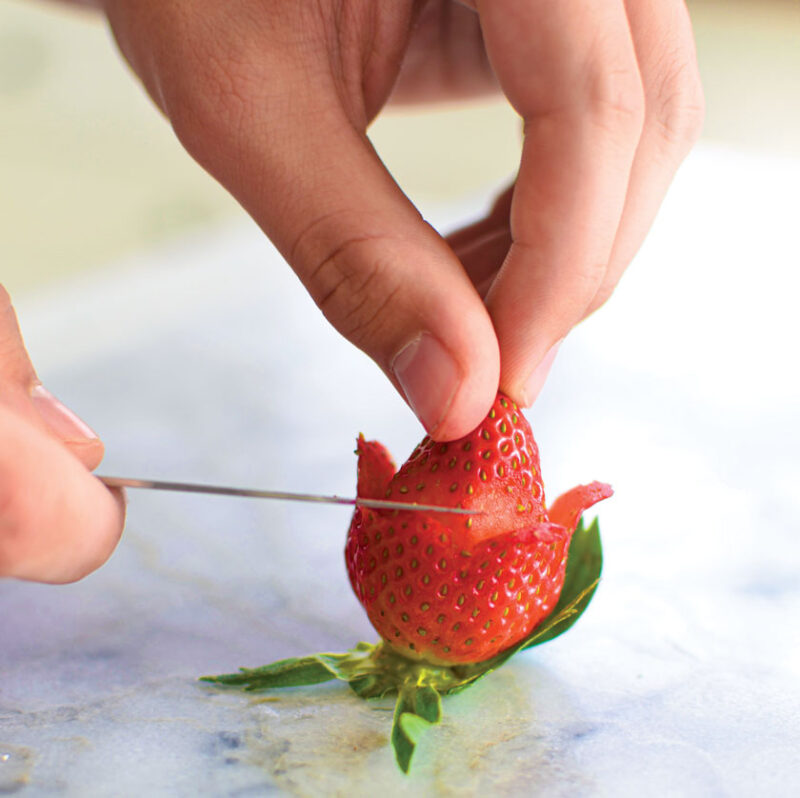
<point>535,383</point>
<point>429,378</point>
<point>61,420</point>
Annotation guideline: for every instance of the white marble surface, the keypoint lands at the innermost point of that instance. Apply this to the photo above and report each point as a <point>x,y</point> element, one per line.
<point>681,680</point>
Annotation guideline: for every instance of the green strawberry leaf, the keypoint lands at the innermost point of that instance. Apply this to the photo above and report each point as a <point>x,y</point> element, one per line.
<point>402,742</point>
<point>285,673</point>
<point>418,707</point>
<point>428,703</point>
<point>584,566</point>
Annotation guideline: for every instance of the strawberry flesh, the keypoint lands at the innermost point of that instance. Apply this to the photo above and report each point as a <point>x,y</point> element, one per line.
<point>494,469</point>
<point>375,469</point>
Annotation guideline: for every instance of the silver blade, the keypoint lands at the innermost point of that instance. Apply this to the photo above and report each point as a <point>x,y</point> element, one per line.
<point>190,487</point>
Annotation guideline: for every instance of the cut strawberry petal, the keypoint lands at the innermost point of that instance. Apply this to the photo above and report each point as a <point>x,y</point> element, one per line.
<point>543,532</point>
<point>540,532</point>
<point>567,509</point>
<point>375,469</point>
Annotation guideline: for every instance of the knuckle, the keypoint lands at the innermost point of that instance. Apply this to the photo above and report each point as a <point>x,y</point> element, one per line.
<point>614,92</point>
<point>212,83</point>
<point>355,286</point>
<point>679,104</point>
<point>586,281</point>
<point>211,104</point>
<point>601,297</point>
<point>616,98</point>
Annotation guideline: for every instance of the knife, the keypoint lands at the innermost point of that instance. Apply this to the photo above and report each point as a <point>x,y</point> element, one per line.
<point>191,487</point>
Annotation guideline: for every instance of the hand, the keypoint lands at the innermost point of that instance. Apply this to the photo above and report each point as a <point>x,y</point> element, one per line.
<point>57,522</point>
<point>273,98</point>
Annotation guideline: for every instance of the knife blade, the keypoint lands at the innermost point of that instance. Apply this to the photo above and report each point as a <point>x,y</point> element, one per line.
<point>219,490</point>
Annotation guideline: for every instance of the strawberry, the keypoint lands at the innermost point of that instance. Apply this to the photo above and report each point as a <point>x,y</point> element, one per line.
<point>452,589</point>
<point>453,596</point>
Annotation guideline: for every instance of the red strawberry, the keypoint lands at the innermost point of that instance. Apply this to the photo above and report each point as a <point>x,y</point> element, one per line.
<point>457,589</point>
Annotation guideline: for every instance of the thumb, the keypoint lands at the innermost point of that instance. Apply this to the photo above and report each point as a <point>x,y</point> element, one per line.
<point>307,173</point>
<point>390,284</point>
<point>24,394</point>
<point>381,275</point>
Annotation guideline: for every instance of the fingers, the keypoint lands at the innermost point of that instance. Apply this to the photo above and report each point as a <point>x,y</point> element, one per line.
<point>23,393</point>
<point>277,106</point>
<point>60,422</point>
<point>283,128</point>
<point>662,36</point>
<point>57,522</point>
<point>612,103</point>
<point>15,366</point>
<point>570,70</point>
<point>482,246</point>
<point>445,59</point>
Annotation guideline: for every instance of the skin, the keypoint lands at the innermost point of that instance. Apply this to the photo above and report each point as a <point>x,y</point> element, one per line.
<point>274,100</point>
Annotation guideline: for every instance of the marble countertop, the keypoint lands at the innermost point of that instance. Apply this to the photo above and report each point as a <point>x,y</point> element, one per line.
<point>683,678</point>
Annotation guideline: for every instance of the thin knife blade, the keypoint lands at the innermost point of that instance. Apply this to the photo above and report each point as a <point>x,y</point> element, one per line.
<point>219,490</point>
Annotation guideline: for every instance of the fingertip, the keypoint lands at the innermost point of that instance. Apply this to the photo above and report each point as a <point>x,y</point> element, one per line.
<point>466,412</point>
<point>430,378</point>
<point>62,422</point>
<point>532,386</point>
<point>97,539</point>
<point>474,395</point>
<point>57,523</point>
<point>121,500</point>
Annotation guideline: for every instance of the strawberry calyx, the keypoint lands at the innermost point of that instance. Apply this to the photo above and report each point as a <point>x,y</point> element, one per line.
<point>377,670</point>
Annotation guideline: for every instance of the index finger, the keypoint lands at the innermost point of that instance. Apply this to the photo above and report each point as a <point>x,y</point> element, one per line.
<point>570,70</point>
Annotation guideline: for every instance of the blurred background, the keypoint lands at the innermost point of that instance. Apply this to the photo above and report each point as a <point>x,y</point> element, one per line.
<point>91,173</point>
